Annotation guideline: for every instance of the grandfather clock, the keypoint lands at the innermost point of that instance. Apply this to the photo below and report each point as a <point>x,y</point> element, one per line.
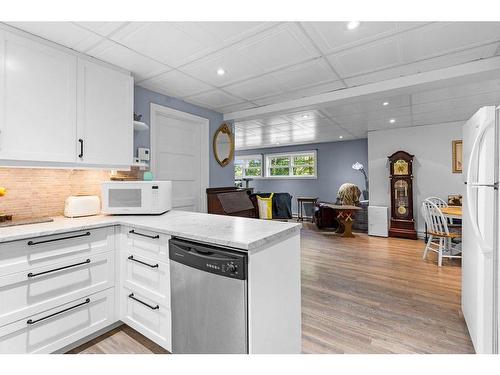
<point>401,183</point>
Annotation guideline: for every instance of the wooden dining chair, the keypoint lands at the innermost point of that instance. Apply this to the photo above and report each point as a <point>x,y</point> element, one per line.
<point>440,236</point>
<point>438,201</point>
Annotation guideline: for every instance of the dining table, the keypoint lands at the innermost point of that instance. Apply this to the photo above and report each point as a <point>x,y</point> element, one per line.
<point>452,212</point>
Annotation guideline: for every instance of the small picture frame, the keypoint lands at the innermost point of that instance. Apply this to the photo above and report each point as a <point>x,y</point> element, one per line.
<point>456,154</point>
<point>455,200</point>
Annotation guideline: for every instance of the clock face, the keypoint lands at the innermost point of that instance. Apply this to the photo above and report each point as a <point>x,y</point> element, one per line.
<point>401,167</point>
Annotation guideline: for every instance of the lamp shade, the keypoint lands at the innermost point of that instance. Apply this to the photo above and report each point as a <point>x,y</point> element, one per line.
<point>357,166</point>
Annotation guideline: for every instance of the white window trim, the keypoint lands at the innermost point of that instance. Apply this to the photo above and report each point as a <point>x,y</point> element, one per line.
<point>251,157</point>
<point>267,158</point>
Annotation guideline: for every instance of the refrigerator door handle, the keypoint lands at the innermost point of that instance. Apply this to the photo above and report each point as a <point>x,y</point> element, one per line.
<point>494,186</point>
<point>472,207</point>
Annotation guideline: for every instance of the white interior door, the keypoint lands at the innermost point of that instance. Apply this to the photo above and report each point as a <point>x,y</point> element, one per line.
<point>179,153</point>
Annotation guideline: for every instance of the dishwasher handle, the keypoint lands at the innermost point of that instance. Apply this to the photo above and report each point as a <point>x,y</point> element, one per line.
<point>210,259</point>
<point>199,252</point>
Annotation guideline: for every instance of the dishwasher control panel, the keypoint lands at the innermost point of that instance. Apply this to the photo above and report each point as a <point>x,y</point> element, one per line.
<point>208,258</point>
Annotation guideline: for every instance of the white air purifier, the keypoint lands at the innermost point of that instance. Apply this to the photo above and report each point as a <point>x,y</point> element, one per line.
<point>378,221</point>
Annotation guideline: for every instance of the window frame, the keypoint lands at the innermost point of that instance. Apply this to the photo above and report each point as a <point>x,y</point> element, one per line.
<point>247,158</point>
<point>290,155</point>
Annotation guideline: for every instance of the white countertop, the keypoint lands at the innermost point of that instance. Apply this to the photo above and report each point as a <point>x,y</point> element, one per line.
<point>237,232</point>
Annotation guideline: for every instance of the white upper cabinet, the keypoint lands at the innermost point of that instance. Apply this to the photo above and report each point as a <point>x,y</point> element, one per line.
<point>37,101</point>
<point>105,115</point>
<point>59,108</point>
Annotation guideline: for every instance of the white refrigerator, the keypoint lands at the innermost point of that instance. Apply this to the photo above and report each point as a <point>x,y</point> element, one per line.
<point>480,228</point>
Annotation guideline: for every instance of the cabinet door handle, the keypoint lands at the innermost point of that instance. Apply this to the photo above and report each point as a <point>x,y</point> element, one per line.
<point>81,148</point>
<point>31,243</point>
<point>141,262</point>
<point>131,296</point>
<point>144,235</point>
<point>31,321</point>
<point>58,269</point>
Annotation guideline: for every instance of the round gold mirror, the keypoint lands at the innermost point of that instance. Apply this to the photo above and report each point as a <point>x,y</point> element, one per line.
<point>223,144</point>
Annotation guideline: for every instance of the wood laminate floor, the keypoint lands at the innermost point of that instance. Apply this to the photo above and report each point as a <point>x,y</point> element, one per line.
<point>359,295</point>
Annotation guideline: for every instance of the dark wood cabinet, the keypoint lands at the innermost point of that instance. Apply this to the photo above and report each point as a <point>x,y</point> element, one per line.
<point>401,185</point>
<point>231,201</point>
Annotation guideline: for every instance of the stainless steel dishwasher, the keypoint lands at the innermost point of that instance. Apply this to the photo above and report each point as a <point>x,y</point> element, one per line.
<point>209,298</point>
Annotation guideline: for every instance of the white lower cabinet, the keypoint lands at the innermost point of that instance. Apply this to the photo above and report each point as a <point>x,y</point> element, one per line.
<point>147,316</point>
<point>58,289</point>
<point>151,277</point>
<point>39,288</point>
<point>60,326</point>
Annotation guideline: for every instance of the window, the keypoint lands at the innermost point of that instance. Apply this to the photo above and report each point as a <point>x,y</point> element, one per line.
<point>291,165</point>
<point>247,166</point>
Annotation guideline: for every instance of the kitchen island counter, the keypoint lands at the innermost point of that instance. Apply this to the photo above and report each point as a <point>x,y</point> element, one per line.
<point>237,232</point>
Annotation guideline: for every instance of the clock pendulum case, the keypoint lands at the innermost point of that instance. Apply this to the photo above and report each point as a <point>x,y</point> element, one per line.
<point>401,184</point>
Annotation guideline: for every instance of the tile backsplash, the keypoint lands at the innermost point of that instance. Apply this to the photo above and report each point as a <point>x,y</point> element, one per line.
<point>42,192</point>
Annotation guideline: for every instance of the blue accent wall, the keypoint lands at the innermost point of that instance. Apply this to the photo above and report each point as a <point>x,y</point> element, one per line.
<point>335,160</point>
<point>143,98</point>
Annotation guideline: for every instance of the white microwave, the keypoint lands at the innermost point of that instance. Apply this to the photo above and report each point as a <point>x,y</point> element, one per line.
<point>136,197</point>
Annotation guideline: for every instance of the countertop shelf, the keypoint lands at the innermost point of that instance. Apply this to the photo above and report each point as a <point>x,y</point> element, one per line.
<point>140,126</point>
<point>141,165</point>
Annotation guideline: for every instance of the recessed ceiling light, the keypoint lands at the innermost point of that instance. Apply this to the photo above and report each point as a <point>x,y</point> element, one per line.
<point>221,72</point>
<point>305,116</point>
<point>392,121</point>
<point>385,104</point>
<point>352,25</point>
<point>341,136</point>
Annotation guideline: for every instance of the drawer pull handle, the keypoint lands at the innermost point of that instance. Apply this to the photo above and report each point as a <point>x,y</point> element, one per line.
<point>141,262</point>
<point>131,296</point>
<point>58,269</point>
<point>144,235</point>
<point>31,243</point>
<point>31,321</point>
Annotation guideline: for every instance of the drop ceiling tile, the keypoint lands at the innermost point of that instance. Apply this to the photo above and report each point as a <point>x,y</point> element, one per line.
<point>447,37</point>
<point>459,103</point>
<point>237,67</point>
<point>334,36</point>
<point>273,49</point>
<point>430,118</point>
<point>278,47</point>
<point>255,88</point>
<point>242,125</point>
<point>230,32</point>
<point>65,33</point>
<point>141,67</point>
<point>378,55</point>
<point>175,83</point>
<point>102,28</point>
<point>423,65</point>
<point>401,122</point>
<point>169,42</point>
<point>369,118</point>
<point>362,106</point>
<point>236,107</point>
<point>445,93</point>
<point>213,99</point>
<point>305,116</point>
<point>306,74</point>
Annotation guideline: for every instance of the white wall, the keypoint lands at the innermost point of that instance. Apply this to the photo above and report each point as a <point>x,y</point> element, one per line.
<point>432,169</point>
